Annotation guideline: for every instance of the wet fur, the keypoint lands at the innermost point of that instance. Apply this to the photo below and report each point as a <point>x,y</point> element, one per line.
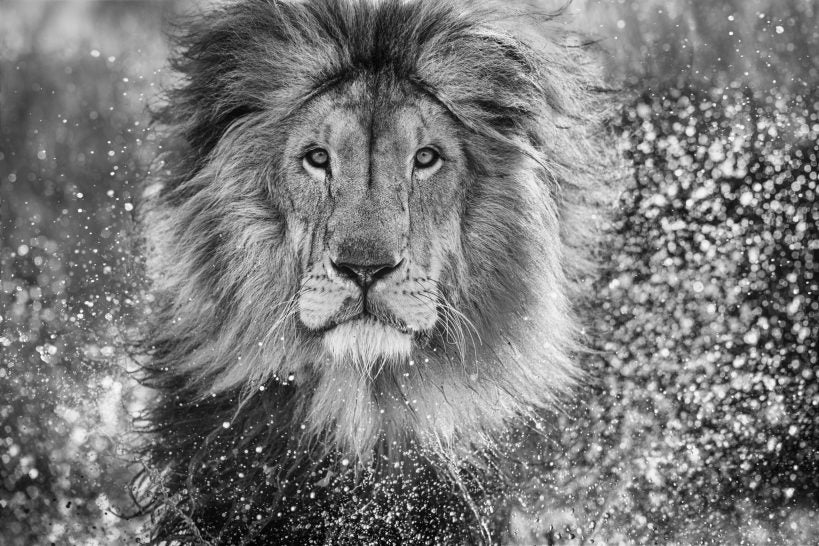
<point>256,435</point>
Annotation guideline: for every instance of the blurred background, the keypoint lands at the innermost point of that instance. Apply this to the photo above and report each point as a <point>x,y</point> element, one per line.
<point>701,422</point>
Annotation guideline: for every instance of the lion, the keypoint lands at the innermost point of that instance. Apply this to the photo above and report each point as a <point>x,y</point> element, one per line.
<point>363,245</point>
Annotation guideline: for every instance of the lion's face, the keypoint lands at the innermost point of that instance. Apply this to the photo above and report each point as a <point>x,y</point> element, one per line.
<point>381,205</point>
<point>373,189</point>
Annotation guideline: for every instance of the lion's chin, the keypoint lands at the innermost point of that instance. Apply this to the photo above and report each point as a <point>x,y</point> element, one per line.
<point>366,342</point>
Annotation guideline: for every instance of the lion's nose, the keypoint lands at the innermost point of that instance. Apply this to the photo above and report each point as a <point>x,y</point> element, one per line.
<point>364,275</point>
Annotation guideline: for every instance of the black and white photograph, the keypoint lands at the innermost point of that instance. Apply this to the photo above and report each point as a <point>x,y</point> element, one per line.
<point>409,272</point>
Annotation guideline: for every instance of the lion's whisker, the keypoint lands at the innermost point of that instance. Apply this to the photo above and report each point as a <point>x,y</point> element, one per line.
<point>463,324</point>
<point>442,295</point>
<point>452,329</point>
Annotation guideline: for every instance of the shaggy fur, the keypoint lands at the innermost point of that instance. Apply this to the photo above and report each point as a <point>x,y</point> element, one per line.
<point>281,417</point>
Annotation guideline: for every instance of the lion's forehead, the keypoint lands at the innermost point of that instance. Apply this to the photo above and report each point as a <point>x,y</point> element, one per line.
<point>381,122</point>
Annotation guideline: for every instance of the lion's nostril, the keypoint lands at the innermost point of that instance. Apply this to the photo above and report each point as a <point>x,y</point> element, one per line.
<point>365,275</point>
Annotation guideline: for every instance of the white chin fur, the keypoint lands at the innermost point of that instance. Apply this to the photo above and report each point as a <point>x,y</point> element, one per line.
<point>367,343</point>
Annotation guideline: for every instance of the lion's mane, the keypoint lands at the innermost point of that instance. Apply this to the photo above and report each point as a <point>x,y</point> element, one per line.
<point>248,441</point>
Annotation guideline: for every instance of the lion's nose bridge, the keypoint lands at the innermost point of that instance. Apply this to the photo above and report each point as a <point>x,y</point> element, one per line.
<point>367,235</point>
<point>370,223</point>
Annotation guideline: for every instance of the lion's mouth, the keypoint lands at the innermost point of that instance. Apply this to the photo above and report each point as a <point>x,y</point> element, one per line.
<point>366,340</point>
<point>369,319</point>
<point>367,315</point>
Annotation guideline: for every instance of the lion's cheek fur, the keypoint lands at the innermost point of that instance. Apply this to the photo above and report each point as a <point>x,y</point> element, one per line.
<point>516,289</point>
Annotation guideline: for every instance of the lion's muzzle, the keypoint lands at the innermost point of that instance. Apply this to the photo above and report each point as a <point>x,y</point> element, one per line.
<point>367,312</point>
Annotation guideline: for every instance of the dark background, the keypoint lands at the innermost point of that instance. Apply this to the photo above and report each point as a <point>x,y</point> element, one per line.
<point>701,422</point>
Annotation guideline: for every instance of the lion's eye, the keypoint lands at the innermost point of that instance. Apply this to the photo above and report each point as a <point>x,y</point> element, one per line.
<point>426,158</point>
<point>318,158</point>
